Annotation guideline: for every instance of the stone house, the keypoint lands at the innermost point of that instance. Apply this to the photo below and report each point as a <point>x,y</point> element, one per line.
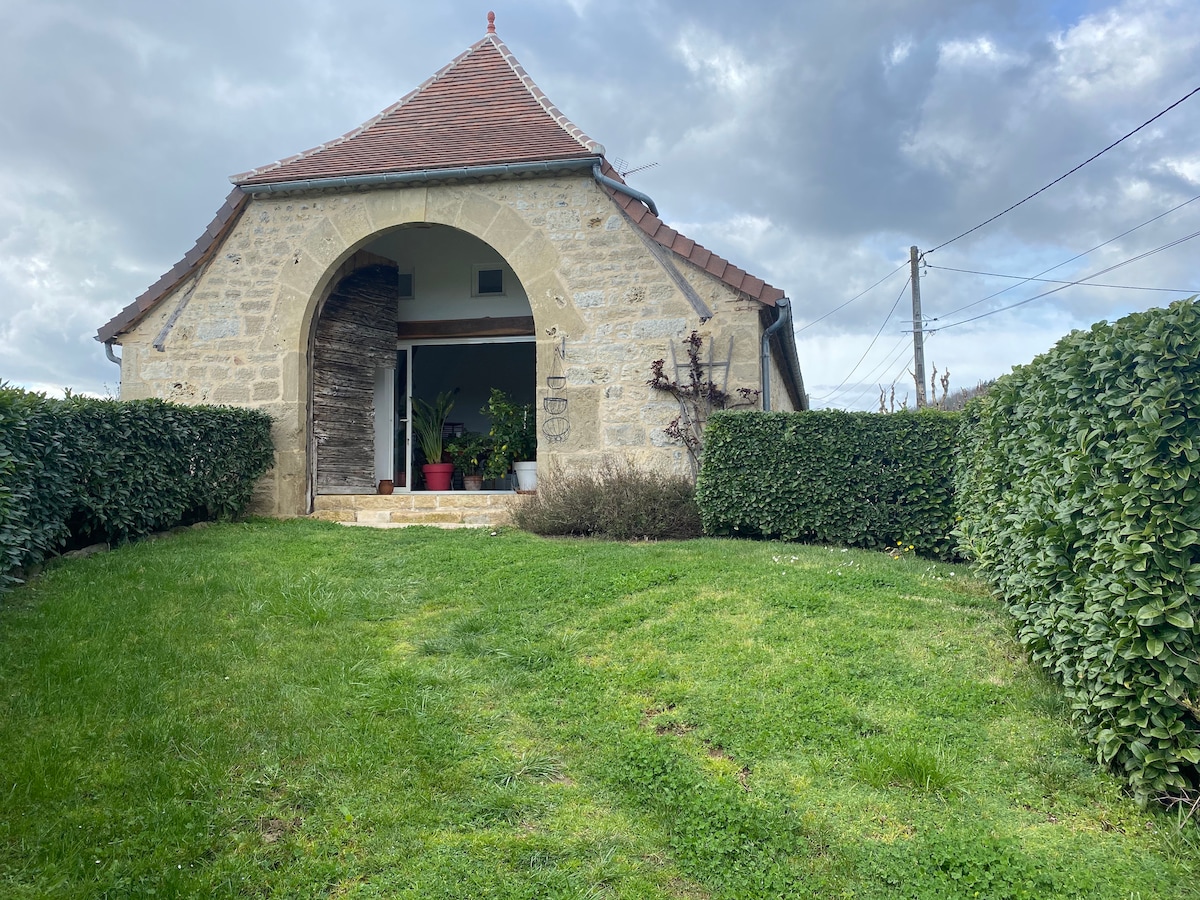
<point>468,237</point>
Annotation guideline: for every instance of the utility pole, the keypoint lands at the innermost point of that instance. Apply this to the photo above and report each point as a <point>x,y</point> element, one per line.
<point>918,337</point>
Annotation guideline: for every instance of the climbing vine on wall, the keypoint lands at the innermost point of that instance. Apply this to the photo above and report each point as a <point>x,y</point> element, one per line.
<point>694,386</point>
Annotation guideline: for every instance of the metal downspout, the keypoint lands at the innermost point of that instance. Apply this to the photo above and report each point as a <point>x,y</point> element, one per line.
<point>785,318</point>
<point>623,188</point>
<point>108,351</point>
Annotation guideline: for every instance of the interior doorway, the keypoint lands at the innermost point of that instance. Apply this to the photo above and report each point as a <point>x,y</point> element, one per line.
<point>469,369</point>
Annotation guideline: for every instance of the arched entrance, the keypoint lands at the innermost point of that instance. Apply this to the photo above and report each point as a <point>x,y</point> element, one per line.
<point>419,310</point>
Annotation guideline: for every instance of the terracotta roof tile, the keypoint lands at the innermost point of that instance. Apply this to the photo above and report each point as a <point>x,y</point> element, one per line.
<point>753,286</point>
<point>716,265</point>
<point>683,245</point>
<point>639,213</point>
<point>482,109</point>
<point>771,295</point>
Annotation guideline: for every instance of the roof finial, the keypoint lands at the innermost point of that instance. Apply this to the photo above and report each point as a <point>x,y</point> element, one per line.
<point>491,22</point>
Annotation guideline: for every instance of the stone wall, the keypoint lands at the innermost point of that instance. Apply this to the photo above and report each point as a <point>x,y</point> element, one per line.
<point>242,332</point>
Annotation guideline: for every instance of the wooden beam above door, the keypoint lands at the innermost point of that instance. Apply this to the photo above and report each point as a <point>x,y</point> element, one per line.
<point>498,326</point>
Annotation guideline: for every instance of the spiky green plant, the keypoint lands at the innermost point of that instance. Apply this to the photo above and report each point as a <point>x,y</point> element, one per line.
<point>428,419</point>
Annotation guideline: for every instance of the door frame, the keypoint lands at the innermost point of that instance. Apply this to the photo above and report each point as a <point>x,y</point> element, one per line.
<point>408,346</point>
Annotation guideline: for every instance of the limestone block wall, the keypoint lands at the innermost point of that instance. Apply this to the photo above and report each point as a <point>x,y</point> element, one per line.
<point>240,331</point>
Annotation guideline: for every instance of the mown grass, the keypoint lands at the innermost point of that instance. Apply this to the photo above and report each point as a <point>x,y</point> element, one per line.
<point>302,710</point>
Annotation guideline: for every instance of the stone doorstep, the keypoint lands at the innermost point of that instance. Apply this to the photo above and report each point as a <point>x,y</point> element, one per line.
<point>442,509</point>
<point>414,524</point>
<point>413,499</point>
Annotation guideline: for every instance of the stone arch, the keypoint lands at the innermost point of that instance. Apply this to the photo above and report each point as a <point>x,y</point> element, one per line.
<point>354,223</point>
<point>351,225</point>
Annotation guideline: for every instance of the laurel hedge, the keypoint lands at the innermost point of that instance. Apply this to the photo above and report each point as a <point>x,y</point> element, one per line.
<point>81,470</point>
<point>854,479</point>
<point>1079,490</point>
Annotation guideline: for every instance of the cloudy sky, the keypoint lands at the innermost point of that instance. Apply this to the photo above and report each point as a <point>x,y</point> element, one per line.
<point>810,142</point>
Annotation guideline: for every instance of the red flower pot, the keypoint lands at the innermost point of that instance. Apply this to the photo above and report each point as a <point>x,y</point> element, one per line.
<point>437,476</point>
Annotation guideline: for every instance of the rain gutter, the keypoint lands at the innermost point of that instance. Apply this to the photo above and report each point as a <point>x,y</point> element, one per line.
<point>505,170</point>
<point>785,318</point>
<point>419,176</point>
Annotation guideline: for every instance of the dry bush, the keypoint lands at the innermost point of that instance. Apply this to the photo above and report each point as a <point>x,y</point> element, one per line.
<point>615,500</point>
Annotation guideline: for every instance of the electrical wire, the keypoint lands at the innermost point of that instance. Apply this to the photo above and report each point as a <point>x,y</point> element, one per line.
<point>1025,278</point>
<point>886,319</point>
<point>1066,261</point>
<point>889,360</point>
<point>1096,156</point>
<point>852,299</point>
<point>1140,256</point>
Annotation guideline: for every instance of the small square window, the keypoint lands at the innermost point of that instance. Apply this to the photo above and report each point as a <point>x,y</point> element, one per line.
<point>488,282</point>
<point>406,285</point>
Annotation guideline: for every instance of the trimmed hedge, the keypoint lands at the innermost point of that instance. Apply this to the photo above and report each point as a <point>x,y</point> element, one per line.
<point>1080,495</point>
<point>856,479</point>
<point>81,470</point>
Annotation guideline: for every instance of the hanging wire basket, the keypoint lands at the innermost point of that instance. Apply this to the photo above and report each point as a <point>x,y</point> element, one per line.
<point>556,429</point>
<point>556,382</point>
<point>555,406</point>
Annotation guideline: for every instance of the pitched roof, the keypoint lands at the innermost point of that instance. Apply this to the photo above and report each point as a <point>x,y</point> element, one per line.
<point>481,109</point>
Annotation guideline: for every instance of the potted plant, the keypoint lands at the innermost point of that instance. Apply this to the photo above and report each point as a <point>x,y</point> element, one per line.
<point>514,439</point>
<point>469,451</point>
<point>428,421</point>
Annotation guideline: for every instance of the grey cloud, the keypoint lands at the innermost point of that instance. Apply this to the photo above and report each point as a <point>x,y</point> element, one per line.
<point>809,142</point>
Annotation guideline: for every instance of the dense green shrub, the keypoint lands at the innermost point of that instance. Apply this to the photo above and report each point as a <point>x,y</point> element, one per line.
<point>857,479</point>
<point>1080,496</point>
<point>615,500</point>
<point>38,479</point>
<point>80,469</point>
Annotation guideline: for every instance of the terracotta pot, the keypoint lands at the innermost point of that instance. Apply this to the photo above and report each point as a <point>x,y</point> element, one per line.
<point>385,486</point>
<point>437,476</point>
<point>472,482</point>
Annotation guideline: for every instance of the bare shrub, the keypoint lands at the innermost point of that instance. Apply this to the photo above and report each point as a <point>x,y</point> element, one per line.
<point>615,500</point>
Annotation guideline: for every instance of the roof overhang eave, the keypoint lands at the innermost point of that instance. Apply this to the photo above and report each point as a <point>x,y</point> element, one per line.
<point>457,173</point>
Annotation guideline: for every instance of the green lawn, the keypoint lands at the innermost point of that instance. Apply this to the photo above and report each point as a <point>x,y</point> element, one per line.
<point>303,710</point>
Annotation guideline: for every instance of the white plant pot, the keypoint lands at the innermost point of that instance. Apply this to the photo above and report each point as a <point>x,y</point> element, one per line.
<point>526,475</point>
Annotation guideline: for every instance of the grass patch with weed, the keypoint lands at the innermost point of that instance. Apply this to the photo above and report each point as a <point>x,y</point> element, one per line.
<point>298,709</point>
<point>929,769</point>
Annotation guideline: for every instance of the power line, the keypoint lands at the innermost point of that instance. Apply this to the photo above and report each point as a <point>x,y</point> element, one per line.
<point>852,299</point>
<point>1072,259</point>
<point>890,360</point>
<point>1063,287</point>
<point>1025,278</point>
<point>911,358</point>
<point>886,319</point>
<point>1096,156</point>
